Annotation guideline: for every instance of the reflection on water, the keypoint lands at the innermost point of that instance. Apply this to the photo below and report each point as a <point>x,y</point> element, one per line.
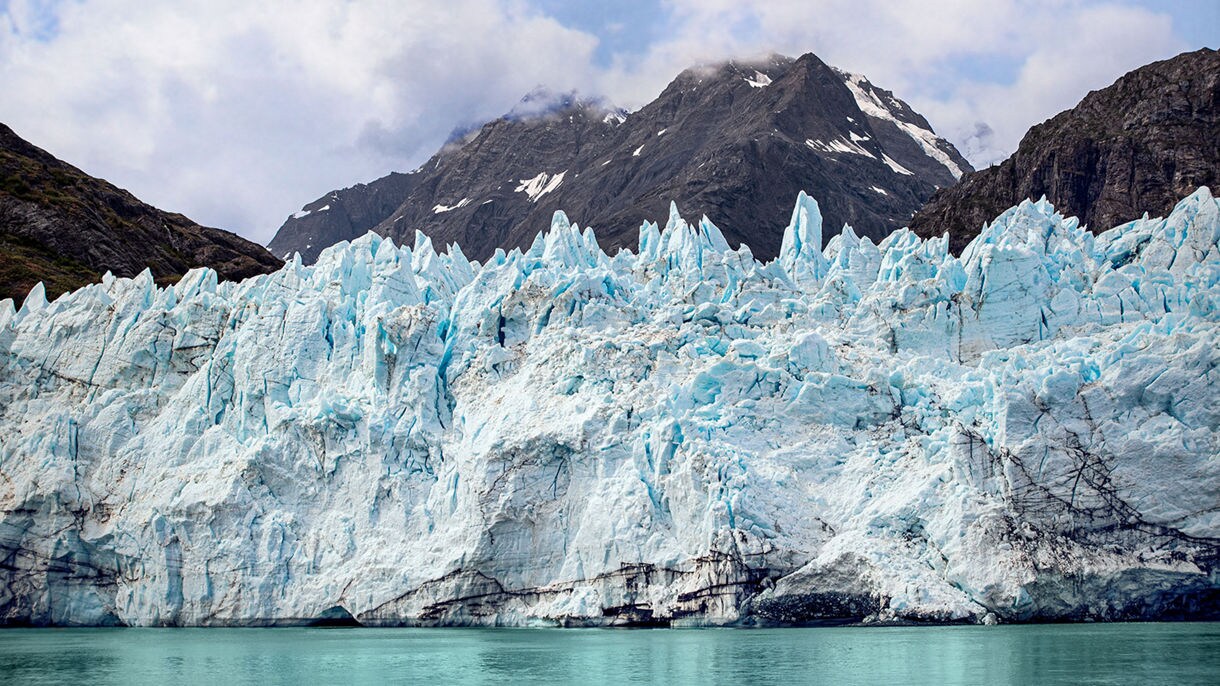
<point>1050,654</point>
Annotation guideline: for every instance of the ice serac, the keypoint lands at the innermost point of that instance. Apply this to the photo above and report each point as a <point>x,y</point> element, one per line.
<point>681,435</point>
<point>800,251</point>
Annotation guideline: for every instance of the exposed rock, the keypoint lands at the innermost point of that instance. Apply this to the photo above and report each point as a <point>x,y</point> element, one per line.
<point>736,141</point>
<point>65,228</point>
<point>1133,147</point>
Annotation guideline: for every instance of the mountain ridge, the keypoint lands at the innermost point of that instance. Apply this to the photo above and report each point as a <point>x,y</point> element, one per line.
<point>1132,147</point>
<point>65,228</point>
<point>733,140</point>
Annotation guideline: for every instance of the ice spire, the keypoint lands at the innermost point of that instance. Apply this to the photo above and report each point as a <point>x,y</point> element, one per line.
<point>565,244</point>
<point>800,254</point>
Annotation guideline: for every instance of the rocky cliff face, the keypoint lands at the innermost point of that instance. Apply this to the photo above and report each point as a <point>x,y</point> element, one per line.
<point>65,228</point>
<point>682,435</point>
<point>735,141</point>
<point>1134,147</point>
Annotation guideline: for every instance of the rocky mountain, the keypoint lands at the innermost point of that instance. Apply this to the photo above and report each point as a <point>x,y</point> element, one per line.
<point>735,141</point>
<point>65,228</point>
<point>1133,147</point>
<point>678,436</point>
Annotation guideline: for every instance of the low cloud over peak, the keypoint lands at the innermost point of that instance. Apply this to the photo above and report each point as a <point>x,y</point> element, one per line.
<point>237,113</point>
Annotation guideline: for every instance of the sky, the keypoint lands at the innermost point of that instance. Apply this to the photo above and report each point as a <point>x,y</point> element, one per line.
<point>237,113</point>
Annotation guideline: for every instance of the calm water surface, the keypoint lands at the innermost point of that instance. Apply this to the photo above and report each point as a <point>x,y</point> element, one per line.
<point>1059,654</point>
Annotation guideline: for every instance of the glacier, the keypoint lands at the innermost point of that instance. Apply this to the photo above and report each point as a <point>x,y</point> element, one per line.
<point>678,435</point>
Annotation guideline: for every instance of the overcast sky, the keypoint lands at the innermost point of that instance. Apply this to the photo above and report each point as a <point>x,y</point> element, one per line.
<point>236,113</point>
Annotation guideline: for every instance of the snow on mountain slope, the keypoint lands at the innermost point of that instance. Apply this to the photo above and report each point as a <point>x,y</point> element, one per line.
<point>682,435</point>
<point>733,140</point>
<point>884,106</point>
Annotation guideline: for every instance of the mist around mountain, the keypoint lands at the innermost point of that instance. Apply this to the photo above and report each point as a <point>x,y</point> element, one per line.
<point>735,141</point>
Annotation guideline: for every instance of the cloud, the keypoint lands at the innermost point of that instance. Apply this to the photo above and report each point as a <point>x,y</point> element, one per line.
<point>237,113</point>
<point>1078,52</point>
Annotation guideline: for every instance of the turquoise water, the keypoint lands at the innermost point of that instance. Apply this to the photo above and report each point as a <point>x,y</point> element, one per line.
<point>1048,654</point>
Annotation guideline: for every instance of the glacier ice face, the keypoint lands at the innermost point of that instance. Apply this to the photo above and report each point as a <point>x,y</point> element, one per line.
<point>676,435</point>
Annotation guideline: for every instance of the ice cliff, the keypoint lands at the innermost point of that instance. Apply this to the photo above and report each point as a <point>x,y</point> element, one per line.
<point>678,435</point>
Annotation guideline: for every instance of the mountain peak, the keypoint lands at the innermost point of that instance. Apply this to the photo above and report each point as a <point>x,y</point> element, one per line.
<point>734,139</point>
<point>542,102</point>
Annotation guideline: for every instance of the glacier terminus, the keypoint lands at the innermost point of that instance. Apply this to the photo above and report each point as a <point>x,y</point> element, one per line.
<point>676,435</point>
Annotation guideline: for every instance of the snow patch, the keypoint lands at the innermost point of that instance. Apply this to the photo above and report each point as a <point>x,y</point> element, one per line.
<point>540,185</point>
<point>440,209</point>
<point>898,168</point>
<point>760,80</point>
<point>871,105</point>
<point>838,145</point>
